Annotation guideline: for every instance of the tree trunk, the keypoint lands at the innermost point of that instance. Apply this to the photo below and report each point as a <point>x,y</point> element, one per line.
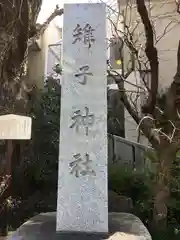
<point>166,157</point>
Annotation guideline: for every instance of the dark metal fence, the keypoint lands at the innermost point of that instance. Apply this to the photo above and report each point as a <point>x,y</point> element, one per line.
<point>127,153</point>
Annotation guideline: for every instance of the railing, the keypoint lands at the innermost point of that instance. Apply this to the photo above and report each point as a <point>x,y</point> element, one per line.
<point>127,153</point>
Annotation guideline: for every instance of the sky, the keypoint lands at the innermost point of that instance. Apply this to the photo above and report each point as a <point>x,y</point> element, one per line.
<point>48,7</point>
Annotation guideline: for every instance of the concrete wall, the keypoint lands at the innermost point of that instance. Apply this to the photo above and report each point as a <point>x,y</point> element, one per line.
<point>135,96</point>
<point>166,23</point>
<point>37,60</point>
<point>130,126</point>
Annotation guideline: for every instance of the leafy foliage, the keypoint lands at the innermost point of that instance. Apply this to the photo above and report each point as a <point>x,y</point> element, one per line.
<point>139,189</point>
<point>46,136</point>
<point>38,190</point>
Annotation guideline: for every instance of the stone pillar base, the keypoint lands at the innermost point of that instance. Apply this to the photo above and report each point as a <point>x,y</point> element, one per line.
<point>122,226</point>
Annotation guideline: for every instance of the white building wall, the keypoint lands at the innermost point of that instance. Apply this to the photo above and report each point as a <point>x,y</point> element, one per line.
<point>38,60</point>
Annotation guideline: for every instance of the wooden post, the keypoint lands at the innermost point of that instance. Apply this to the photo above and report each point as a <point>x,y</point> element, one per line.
<point>9,156</point>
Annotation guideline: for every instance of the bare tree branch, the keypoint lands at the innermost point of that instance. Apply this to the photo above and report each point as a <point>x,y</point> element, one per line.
<point>178,5</point>
<point>151,53</point>
<point>43,27</point>
<point>146,126</point>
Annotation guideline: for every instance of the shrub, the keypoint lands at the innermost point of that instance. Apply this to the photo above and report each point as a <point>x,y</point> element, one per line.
<point>139,187</point>
<point>39,166</point>
<point>136,185</point>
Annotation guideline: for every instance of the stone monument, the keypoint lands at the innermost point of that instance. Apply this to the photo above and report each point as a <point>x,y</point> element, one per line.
<point>82,181</point>
<point>82,203</point>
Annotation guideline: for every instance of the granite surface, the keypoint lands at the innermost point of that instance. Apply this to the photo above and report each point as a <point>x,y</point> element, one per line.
<point>122,226</point>
<point>82,178</point>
